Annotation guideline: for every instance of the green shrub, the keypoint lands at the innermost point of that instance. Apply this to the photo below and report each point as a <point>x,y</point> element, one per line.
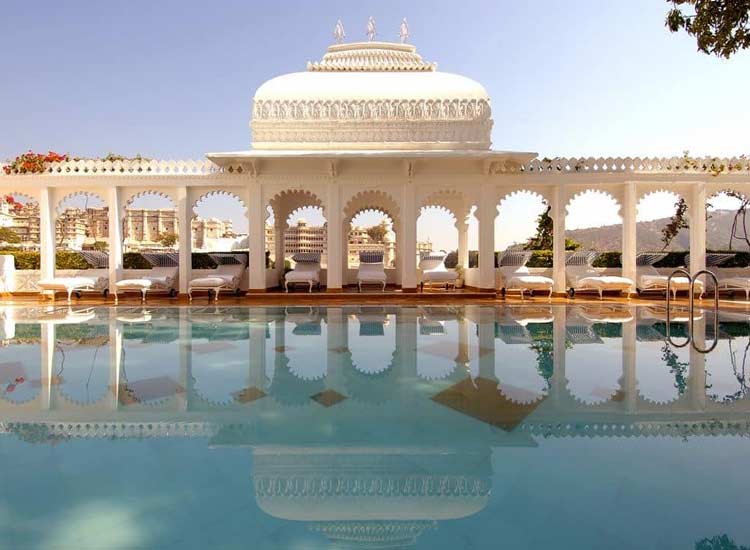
<point>134,260</point>
<point>70,260</point>
<point>24,259</point>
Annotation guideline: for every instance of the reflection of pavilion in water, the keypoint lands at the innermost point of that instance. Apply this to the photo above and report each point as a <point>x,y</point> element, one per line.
<point>370,424</point>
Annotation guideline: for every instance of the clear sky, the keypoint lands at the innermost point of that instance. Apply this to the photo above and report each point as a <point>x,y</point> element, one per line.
<point>175,78</point>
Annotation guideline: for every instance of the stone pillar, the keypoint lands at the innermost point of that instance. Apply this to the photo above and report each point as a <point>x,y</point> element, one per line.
<point>115,237</point>
<point>697,373</point>
<point>629,204</point>
<point>697,214</point>
<point>335,224</point>
<point>558,383</point>
<point>115,359</point>
<point>629,384</point>
<point>337,346</point>
<point>409,241</point>
<point>487,215</point>
<point>278,235</point>
<point>256,377</point>
<point>186,361</point>
<point>47,217</point>
<point>406,342</point>
<point>256,214</point>
<point>487,342</point>
<point>558,239</point>
<point>47,366</point>
<point>184,210</point>
<point>463,242</point>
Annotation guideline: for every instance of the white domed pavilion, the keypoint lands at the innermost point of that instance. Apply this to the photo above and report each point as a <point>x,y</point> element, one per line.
<point>370,126</point>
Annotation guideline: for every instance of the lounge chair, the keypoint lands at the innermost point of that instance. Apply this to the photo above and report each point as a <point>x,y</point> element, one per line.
<point>7,274</point>
<point>650,280</point>
<point>516,276</point>
<point>162,278</point>
<point>88,280</point>
<point>582,277</point>
<point>434,271</point>
<point>727,284</point>
<point>306,271</point>
<point>227,276</point>
<point>371,270</point>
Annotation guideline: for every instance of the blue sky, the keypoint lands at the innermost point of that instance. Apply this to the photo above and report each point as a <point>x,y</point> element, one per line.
<point>175,79</point>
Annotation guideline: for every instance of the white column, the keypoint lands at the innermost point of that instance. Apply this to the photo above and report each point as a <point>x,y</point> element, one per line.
<point>629,204</point>
<point>406,342</point>
<point>697,213</point>
<point>558,239</point>
<point>559,381</point>
<point>184,208</point>
<point>278,235</point>
<point>257,238</point>
<point>409,239</point>
<point>48,365</point>
<point>115,237</point>
<point>463,242</point>
<point>185,375</point>
<point>629,363</point>
<point>697,373</point>
<point>257,349</point>
<point>486,341</point>
<point>115,360</point>
<point>47,232</point>
<point>333,216</point>
<point>487,215</point>
<point>337,341</point>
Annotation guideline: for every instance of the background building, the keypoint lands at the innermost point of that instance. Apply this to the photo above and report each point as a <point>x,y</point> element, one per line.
<point>144,228</point>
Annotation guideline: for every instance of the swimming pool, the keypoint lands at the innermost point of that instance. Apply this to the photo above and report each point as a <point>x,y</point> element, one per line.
<point>372,427</point>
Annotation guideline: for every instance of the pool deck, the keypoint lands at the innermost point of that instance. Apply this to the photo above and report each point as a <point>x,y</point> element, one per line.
<point>352,297</point>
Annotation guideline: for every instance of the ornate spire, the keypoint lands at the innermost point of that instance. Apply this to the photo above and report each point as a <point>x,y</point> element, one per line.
<point>338,32</point>
<point>403,32</point>
<point>371,32</point>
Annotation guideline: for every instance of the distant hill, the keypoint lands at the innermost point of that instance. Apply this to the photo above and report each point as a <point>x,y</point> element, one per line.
<point>609,237</point>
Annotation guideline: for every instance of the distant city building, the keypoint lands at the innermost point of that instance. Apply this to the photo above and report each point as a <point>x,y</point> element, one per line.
<point>214,234</point>
<point>145,227</point>
<point>23,221</point>
<point>77,227</point>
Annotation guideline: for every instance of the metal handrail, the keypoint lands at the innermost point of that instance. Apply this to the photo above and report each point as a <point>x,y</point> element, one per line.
<point>691,309</point>
<point>716,310</point>
<point>669,309</point>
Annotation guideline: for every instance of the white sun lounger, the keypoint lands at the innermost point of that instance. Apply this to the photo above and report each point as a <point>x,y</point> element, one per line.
<point>516,276</point>
<point>85,280</point>
<point>434,270</point>
<point>582,277</point>
<point>371,270</point>
<point>650,280</point>
<point>162,278</point>
<point>306,271</point>
<point>227,276</point>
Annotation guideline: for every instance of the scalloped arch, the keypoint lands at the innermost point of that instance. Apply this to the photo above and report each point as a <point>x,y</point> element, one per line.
<point>289,201</point>
<point>29,198</point>
<point>372,200</point>
<point>596,192</point>
<point>534,193</point>
<point>217,193</point>
<point>74,194</point>
<point>166,194</point>
<point>454,202</point>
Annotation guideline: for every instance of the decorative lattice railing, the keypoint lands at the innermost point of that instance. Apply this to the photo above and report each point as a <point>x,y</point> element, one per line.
<point>128,167</point>
<point>705,165</point>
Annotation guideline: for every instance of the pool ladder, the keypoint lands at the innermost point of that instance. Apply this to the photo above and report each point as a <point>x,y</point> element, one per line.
<point>691,309</point>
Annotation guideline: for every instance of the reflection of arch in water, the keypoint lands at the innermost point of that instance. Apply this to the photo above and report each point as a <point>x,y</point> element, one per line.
<point>82,380</point>
<point>728,375</point>
<point>592,378</point>
<point>372,341</point>
<point>372,499</point>
<point>290,390</point>
<point>662,372</point>
<point>437,343</point>
<point>305,343</point>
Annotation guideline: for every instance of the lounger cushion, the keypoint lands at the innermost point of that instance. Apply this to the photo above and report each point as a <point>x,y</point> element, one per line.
<point>67,283</point>
<point>208,282</point>
<point>531,282</point>
<point>378,277</point>
<point>735,282</point>
<point>605,282</point>
<point>439,276</point>
<point>297,276</point>
<point>134,283</point>
<point>659,282</point>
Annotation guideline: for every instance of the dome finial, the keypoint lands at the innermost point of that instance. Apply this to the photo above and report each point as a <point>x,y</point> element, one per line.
<point>403,33</point>
<point>371,29</point>
<point>338,32</point>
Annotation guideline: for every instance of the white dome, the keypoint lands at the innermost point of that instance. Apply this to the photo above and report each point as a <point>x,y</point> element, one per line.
<point>371,95</point>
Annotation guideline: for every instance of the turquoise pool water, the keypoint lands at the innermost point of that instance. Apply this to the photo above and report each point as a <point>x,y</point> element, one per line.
<point>372,427</point>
